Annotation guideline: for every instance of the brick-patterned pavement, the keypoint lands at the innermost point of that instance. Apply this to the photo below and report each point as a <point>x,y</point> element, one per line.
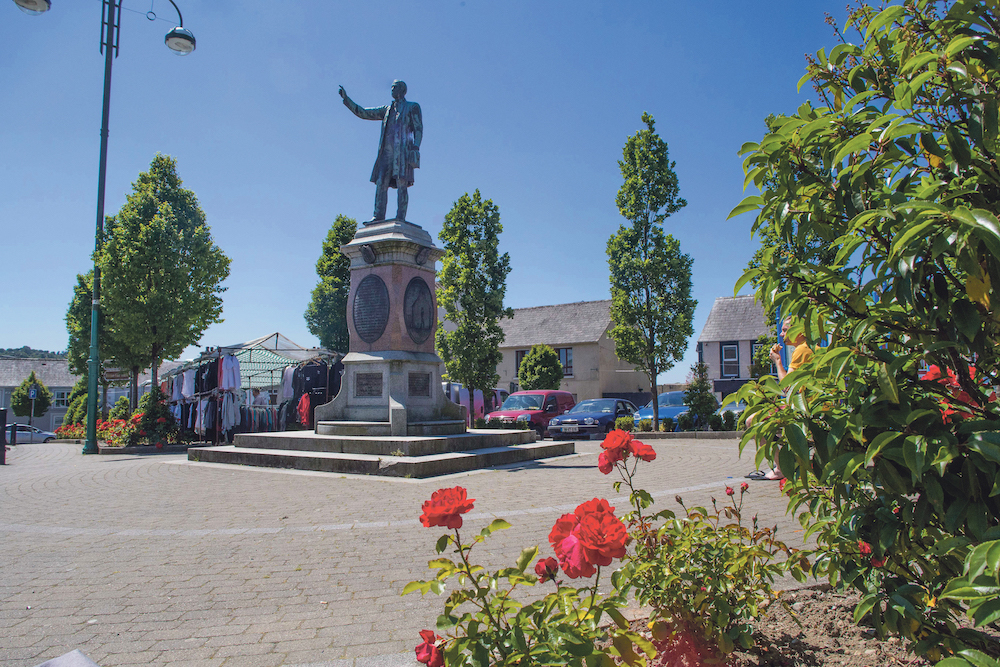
<point>153,560</point>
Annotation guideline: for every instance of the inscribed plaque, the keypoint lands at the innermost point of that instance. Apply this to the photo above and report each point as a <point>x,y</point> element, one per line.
<point>368,385</point>
<point>420,384</point>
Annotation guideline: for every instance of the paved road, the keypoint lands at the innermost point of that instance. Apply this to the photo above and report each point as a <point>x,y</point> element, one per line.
<point>153,560</point>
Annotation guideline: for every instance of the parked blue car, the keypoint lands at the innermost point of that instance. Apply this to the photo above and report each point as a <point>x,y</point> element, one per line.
<point>589,417</point>
<point>670,403</point>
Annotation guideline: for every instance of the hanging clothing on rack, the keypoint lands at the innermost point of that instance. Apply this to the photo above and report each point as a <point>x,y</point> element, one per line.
<point>304,411</point>
<point>187,385</point>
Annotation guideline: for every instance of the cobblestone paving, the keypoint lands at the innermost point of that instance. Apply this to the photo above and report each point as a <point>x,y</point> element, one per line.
<point>153,560</point>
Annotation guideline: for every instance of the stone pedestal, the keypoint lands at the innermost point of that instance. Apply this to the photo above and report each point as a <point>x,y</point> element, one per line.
<point>392,378</point>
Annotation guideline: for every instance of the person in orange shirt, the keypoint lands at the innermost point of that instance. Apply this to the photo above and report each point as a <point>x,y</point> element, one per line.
<point>800,355</point>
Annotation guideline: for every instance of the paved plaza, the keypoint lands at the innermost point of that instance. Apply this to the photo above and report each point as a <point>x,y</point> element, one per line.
<point>154,560</point>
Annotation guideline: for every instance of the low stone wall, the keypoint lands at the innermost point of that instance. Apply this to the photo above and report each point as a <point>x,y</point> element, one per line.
<point>688,435</point>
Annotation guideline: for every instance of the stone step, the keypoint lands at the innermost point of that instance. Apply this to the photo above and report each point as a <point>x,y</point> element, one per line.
<point>430,465</point>
<point>385,445</point>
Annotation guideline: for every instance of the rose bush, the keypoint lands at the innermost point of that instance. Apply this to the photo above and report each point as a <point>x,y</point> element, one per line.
<point>487,625</point>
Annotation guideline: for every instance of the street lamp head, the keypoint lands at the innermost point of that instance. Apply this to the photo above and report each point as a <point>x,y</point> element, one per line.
<point>179,40</point>
<point>33,7</point>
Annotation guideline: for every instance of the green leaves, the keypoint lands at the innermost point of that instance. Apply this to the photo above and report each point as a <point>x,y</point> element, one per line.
<point>326,315</point>
<point>471,289</point>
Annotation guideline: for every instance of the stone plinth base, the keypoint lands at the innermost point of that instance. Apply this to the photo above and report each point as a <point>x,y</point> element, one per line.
<point>392,456</point>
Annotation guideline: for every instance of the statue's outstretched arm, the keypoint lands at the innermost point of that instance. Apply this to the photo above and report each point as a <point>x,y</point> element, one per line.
<point>374,113</point>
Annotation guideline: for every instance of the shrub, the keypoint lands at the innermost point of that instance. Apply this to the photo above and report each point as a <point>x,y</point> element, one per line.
<point>715,421</point>
<point>645,424</point>
<point>540,369</point>
<point>77,411</point>
<point>699,397</point>
<point>625,423</point>
<point>157,424</point>
<point>685,421</point>
<point>480,423</point>
<point>494,626</point>
<point>667,425</point>
<point>891,470</point>
<point>729,420</point>
<point>120,409</point>
<point>705,579</point>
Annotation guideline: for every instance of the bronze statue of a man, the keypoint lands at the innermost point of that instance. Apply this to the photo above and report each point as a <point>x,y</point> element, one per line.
<point>398,148</point>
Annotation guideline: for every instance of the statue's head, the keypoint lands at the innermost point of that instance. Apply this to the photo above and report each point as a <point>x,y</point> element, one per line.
<point>398,89</point>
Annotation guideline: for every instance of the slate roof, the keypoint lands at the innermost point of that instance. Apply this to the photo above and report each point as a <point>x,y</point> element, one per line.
<point>564,324</point>
<point>52,372</point>
<point>735,318</point>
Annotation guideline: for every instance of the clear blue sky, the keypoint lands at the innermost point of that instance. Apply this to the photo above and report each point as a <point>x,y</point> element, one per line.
<point>529,101</point>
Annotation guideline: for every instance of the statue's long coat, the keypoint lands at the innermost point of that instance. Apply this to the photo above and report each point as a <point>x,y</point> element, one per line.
<point>406,155</point>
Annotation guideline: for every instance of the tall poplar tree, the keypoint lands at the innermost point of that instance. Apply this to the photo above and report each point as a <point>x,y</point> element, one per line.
<point>651,304</point>
<point>161,272</point>
<point>471,288</point>
<point>326,316</point>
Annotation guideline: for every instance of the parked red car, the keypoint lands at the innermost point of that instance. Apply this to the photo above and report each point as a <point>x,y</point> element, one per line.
<point>536,407</point>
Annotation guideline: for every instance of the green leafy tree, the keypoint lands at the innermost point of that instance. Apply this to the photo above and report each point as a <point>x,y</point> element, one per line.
<point>113,354</point>
<point>26,352</point>
<point>77,397</point>
<point>893,471</point>
<point>20,402</point>
<point>540,369</point>
<point>326,316</point>
<point>471,288</point>
<point>161,271</point>
<point>121,408</point>
<point>651,304</point>
<point>699,397</point>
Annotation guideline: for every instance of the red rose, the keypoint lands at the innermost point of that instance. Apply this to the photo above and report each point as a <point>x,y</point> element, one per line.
<point>446,507</point>
<point>142,433</point>
<point>781,484</point>
<point>744,486</point>
<point>606,461</point>
<point>864,547</point>
<point>641,450</point>
<point>159,445</point>
<point>730,490</point>
<point>546,569</point>
<point>428,652</point>
<point>161,420</point>
<point>878,562</point>
<point>589,537</point>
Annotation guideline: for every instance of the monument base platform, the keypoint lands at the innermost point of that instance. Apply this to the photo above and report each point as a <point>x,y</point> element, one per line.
<point>394,456</point>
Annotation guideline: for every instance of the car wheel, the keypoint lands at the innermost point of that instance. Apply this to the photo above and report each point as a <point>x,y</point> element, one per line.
<point>610,427</point>
<point>49,439</point>
<point>541,432</point>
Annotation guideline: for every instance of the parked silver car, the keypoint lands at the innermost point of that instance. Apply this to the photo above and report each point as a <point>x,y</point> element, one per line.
<point>29,434</point>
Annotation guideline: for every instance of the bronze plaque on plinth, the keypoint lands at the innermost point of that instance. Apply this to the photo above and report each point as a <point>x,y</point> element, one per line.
<point>418,310</point>
<point>371,308</point>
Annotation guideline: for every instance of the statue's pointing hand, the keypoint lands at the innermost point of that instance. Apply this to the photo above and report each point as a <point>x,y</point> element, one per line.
<point>343,93</point>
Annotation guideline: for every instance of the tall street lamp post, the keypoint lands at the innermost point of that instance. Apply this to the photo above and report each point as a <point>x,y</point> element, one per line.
<point>180,41</point>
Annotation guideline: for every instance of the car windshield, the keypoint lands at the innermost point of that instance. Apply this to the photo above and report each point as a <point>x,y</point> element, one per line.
<point>595,405</point>
<point>523,402</point>
<point>668,399</point>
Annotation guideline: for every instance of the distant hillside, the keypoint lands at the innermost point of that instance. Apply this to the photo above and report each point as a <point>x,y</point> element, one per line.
<point>29,353</point>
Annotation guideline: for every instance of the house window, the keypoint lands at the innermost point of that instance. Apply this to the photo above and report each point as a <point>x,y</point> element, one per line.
<point>730,359</point>
<point>61,399</point>
<point>518,358</point>
<point>754,348</point>
<point>566,359</point>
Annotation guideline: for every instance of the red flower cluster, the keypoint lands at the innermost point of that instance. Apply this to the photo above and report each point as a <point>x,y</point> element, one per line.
<point>428,651</point>
<point>864,548</point>
<point>618,445</point>
<point>446,507</point>
<point>962,400</point>
<point>161,420</point>
<point>546,569</point>
<point>589,537</point>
